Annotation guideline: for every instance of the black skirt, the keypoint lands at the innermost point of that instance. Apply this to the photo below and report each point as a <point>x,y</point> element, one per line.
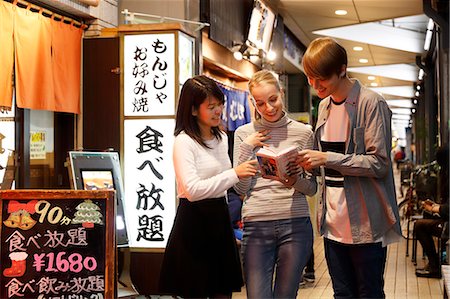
<point>201,257</point>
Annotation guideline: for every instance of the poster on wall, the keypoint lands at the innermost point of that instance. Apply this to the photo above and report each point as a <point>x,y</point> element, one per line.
<point>149,74</point>
<point>37,145</point>
<point>57,244</point>
<point>149,181</point>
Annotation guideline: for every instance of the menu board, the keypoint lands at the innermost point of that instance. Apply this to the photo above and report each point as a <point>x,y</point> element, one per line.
<point>57,244</point>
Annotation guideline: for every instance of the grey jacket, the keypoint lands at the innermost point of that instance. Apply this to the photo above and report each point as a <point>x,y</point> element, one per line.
<point>366,166</point>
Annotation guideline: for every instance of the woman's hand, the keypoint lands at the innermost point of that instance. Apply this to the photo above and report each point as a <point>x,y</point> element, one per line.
<point>257,139</point>
<point>293,169</point>
<point>246,169</point>
<point>309,159</point>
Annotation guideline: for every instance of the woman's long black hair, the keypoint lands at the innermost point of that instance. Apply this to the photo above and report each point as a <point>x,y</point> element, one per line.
<point>194,92</point>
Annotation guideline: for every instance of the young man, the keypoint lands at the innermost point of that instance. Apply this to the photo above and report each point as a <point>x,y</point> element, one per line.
<point>358,211</point>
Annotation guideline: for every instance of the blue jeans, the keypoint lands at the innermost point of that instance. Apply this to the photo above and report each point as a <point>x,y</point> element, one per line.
<point>279,246</point>
<point>356,270</point>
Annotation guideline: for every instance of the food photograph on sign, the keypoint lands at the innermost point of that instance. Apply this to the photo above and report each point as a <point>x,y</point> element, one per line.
<point>97,180</point>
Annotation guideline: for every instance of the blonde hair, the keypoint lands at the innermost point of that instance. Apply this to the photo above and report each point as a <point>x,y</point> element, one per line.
<point>323,58</point>
<point>262,77</point>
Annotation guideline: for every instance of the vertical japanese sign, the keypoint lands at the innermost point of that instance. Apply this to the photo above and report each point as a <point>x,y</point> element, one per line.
<point>152,75</point>
<point>149,74</point>
<point>54,248</point>
<point>149,181</point>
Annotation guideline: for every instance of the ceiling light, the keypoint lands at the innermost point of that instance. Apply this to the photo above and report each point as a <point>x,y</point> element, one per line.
<point>400,71</point>
<point>371,78</point>
<point>237,55</point>
<point>357,48</point>
<point>239,50</point>
<point>341,12</point>
<point>418,87</point>
<point>380,35</point>
<point>401,91</point>
<point>400,103</point>
<point>413,110</point>
<point>415,102</point>
<point>401,111</point>
<point>401,116</point>
<point>271,55</point>
<point>421,74</point>
<point>417,93</point>
<point>426,45</point>
<point>375,84</point>
<point>363,60</point>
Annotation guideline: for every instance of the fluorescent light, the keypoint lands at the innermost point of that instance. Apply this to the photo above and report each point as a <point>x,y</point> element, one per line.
<point>400,71</point>
<point>341,12</point>
<point>400,103</point>
<point>379,35</point>
<point>357,48</point>
<point>421,74</point>
<point>401,116</point>
<point>401,91</point>
<point>363,60</point>
<point>375,84</point>
<point>426,45</point>
<point>402,111</point>
<point>371,78</point>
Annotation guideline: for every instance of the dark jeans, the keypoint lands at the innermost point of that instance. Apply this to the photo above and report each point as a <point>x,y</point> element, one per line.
<point>424,230</point>
<point>356,270</point>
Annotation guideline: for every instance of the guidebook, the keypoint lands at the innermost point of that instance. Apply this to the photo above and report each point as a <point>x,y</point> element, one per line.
<point>275,164</point>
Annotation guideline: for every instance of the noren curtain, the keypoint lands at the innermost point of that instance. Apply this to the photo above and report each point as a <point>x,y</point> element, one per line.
<point>6,53</point>
<point>47,57</point>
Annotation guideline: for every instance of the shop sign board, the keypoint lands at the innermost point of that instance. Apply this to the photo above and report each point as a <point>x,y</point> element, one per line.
<point>149,74</point>
<point>149,181</point>
<point>261,25</point>
<point>57,244</point>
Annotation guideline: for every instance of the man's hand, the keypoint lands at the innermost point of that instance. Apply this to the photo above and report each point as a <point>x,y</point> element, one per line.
<point>309,159</point>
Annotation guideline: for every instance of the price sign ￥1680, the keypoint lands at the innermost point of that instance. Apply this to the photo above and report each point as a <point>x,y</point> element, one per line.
<point>53,249</point>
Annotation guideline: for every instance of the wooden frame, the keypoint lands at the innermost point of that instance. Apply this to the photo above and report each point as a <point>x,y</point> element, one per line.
<point>49,211</point>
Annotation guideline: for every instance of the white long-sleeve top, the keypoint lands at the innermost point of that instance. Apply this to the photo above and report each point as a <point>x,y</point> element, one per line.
<point>201,172</point>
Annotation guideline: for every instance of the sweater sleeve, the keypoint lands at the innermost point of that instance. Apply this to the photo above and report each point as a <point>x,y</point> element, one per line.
<point>199,180</point>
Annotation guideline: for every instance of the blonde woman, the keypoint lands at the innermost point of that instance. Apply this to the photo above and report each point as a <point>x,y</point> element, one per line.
<point>278,236</point>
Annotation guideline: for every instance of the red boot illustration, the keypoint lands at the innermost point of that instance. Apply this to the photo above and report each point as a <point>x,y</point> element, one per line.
<point>19,264</point>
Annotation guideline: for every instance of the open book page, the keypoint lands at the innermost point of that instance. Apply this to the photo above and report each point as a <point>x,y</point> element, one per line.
<point>273,164</point>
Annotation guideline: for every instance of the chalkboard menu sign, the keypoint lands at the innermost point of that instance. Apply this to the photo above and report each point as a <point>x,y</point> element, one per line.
<point>57,244</point>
